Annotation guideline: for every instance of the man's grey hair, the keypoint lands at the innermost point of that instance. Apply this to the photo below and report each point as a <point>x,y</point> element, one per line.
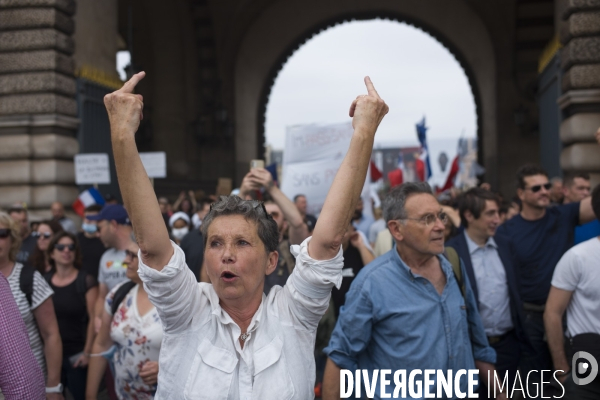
<point>395,201</point>
<point>251,210</point>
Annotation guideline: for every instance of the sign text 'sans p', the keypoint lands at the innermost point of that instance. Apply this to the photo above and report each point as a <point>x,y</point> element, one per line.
<point>92,169</point>
<point>155,164</point>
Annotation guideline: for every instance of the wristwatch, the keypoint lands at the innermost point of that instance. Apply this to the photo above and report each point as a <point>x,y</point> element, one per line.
<point>56,389</point>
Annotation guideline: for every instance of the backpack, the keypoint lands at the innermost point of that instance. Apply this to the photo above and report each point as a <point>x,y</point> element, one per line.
<point>26,282</point>
<point>120,295</point>
<point>452,256</point>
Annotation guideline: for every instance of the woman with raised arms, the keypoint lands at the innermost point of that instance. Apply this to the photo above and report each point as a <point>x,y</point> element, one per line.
<point>226,340</point>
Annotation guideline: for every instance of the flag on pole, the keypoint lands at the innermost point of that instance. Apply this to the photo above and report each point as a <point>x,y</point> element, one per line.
<point>422,136</point>
<point>375,172</point>
<point>87,198</point>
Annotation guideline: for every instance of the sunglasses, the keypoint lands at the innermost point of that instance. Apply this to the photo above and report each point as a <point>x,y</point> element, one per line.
<point>61,247</point>
<point>537,188</point>
<point>45,235</point>
<point>130,254</point>
<point>4,233</point>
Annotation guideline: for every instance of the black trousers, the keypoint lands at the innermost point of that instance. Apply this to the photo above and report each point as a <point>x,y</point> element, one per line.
<point>508,355</point>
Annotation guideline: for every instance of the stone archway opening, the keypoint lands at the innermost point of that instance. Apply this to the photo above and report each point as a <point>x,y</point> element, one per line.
<point>419,76</point>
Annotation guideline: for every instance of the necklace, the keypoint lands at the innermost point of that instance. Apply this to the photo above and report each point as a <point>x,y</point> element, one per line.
<point>244,336</point>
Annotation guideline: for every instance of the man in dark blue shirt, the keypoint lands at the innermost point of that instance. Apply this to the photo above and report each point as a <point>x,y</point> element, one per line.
<point>540,236</point>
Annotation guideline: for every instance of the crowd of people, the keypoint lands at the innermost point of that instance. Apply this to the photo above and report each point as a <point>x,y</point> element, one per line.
<point>248,296</point>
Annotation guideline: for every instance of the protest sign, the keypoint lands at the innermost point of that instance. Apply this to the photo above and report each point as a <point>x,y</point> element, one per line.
<point>155,164</point>
<point>92,169</point>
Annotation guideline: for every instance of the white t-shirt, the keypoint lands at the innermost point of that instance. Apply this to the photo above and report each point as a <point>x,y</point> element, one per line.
<point>41,292</point>
<point>578,271</point>
<point>138,338</point>
<point>111,270</point>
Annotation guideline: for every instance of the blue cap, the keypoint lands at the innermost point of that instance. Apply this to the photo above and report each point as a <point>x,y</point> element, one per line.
<point>112,212</point>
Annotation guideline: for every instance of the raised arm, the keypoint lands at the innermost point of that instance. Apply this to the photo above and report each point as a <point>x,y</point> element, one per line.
<point>366,111</point>
<point>557,303</point>
<point>260,177</point>
<point>125,112</point>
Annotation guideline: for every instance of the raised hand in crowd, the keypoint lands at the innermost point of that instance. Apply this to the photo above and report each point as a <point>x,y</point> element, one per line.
<point>366,111</point>
<point>125,110</point>
<point>259,178</point>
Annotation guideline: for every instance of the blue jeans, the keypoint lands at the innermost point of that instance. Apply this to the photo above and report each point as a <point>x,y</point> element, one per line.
<point>74,379</point>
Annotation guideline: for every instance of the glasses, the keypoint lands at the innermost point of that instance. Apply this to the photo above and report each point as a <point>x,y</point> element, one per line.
<point>430,219</point>
<point>39,235</point>
<point>537,188</point>
<point>4,233</point>
<point>62,247</point>
<point>130,254</point>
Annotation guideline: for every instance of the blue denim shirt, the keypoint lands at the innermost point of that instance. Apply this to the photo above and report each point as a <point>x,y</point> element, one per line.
<point>394,319</point>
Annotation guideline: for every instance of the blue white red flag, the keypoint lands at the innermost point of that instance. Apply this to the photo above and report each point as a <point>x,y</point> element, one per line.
<point>422,136</point>
<point>87,198</point>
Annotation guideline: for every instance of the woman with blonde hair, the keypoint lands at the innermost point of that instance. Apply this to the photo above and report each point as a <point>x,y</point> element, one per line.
<point>33,297</point>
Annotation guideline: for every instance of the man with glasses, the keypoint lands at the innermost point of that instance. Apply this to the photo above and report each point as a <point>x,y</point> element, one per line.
<point>539,236</point>
<point>490,268</point>
<point>405,310</point>
<point>114,228</point>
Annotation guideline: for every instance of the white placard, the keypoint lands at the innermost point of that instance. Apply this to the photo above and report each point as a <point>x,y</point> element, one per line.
<point>92,169</point>
<point>312,156</point>
<point>317,142</point>
<point>155,164</point>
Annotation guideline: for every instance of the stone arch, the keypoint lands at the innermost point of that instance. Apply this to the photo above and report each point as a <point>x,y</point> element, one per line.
<point>282,28</point>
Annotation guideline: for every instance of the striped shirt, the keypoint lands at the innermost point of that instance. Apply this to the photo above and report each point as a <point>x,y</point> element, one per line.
<point>41,292</point>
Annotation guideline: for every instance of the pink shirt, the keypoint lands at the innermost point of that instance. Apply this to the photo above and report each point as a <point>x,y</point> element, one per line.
<point>20,374</point>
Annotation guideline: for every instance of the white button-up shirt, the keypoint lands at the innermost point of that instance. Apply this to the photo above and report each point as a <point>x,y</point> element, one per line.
<point>201,357</point>
<point>492,286</point>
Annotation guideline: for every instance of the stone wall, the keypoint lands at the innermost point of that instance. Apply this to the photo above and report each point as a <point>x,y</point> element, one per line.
<point>580,61</point>
<point>38,111</point>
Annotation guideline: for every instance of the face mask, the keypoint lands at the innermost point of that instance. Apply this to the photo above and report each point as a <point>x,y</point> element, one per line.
<point>89,228</point>
<point>179,233</point>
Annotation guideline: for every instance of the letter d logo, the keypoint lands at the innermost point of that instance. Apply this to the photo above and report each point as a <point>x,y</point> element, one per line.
<point>583,367</point>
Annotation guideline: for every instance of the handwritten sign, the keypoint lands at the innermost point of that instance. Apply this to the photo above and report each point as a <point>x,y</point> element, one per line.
<point>155,164</point>
<point>312,156</point>
<point>92,169</point>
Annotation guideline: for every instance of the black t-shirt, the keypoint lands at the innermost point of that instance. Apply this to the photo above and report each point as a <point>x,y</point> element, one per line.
<point>26,250</point>
<point>310,221</point>
<point>91,252</point>
<point>538,246</point>
<point>71,313</point>
<point>192,245</point>
<point>352,265</point>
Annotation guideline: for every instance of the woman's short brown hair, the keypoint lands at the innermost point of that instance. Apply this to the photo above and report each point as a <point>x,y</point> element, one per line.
<point>15,236</point>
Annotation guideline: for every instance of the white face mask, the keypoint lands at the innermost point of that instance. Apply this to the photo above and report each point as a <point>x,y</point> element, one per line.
<point>179,233</point>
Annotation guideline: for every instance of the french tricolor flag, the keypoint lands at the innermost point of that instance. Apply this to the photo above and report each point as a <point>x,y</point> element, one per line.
<point>86,199</point>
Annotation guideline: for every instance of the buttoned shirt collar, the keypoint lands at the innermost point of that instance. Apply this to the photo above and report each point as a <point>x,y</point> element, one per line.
<point>473,247</point>
<point>444,263</point>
